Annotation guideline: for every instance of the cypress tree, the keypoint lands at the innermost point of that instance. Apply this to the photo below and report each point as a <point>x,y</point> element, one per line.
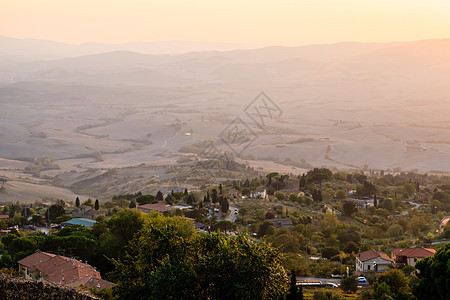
<point>293,293</point>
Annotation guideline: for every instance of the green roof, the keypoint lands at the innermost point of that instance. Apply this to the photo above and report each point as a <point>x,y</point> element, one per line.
<point>82,221</point>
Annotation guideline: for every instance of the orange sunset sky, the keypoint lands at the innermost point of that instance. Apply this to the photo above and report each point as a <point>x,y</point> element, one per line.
<point>262,22</point>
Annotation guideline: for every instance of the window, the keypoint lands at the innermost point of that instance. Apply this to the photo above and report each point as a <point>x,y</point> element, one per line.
<point>368,267</point>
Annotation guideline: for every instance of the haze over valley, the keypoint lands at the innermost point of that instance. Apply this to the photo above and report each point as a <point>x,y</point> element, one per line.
<point>138,120</point>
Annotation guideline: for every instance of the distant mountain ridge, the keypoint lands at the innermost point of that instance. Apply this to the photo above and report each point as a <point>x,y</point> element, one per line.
<point>26,50</point>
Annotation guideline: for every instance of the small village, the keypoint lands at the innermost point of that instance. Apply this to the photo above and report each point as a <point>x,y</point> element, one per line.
<point>326,226</point>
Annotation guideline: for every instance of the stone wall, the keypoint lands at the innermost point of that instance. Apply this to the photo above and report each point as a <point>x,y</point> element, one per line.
<point>12,288</point>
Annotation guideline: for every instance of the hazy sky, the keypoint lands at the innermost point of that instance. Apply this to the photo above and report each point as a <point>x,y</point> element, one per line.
<point>282,22</point>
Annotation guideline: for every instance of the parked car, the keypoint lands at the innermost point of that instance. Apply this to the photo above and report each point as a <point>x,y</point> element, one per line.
<point>362,279</point>
<point>330,284</point>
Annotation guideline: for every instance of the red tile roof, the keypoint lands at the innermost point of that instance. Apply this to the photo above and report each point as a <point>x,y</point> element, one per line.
<point>413,252</point>
<point>89,283</point>
<point>65,270</point>
<point>36,258</point>
<point>371,254</point>
<point>161,207</point>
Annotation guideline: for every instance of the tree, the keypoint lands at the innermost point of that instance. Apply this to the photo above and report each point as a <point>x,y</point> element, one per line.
<point>88,202</point>
<point>341,194</point>
<point>37,220</point>
<point>169,260</point>
<point>349,284</point>
<point>293,197</point>
<point>397,283</point>
<point>317,195</point>
<point>269,215</point>
<point>270,176</point>
<point>12,211</point>
<point>266,228</point>
<point>26,245</point>
<point>433,274</point>
<point>348,208</point>
<point>224,226</point>
<point>214,196</point>
<point>395,230</point>
<point>190,199</point>
<point>382,292</point>
<point>409,188</point>
<point>146,199</point>
<point>96,205</point>
<point>122,227</point>
<point>77,202</point>
<point>55,211</point>
<point>387,204</point>
<point>224,206</point>
<point>302,182</point>
<point>329,252</point>
<point>319,175</point>
<point>220,189</point>
<point>159,196</point>
<point>329,223</point>
<point>280,196</point>
<point>132,205</point>
<point>169,199</point>
<point>351,247</point>
<point>293,292</point>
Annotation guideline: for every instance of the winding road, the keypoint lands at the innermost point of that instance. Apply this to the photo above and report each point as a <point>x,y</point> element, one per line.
<point>232,215</point>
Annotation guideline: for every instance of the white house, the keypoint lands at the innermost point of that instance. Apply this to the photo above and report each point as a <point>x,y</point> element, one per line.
<point>259,193</point>
<point>372,260</point>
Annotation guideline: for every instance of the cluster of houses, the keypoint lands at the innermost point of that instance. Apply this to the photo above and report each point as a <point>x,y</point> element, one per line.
<point>62,270</point>
<point>375,261</point>
<point>86,212</point>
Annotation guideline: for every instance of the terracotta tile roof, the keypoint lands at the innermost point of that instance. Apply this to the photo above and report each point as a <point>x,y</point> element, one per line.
<point>34,259</point>
<point>89,283</point>
<point>49,263</point>
<point>85,206</point>
<point>384,256</point>
<point>156,206</point>
<point>371,254</point>
<point>261,189</point>
<point>413,252</point>
<point>64,270</point>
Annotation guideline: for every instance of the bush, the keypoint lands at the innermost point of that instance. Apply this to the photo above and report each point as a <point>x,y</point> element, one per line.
<point>392,283</point>
<point>340,194</point>
<point>351,247</point>
<point>325,295</point>
<point>349,284</point>
<point>280,196</point>
<point>329,252</point>
<point>395,230</point>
